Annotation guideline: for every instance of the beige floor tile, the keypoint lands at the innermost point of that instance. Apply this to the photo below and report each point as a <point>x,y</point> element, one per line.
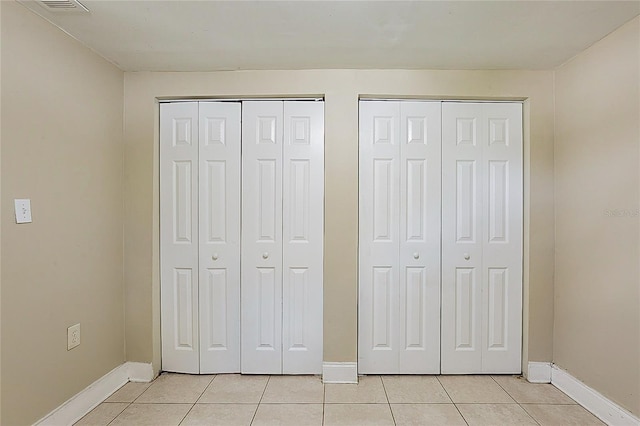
<point>357,415</point>
<point>103,414</point>
<point>474,389</point>
<point>235,388</point>
<point>152,415</point>
<point>427,414</point>
<point>561,415</point>
<point>288,414</point>
<point>175,388</point>
<point>532,393</point>
<point>414,389</point>
<point>495,414</point>
<point>220,415</point>
<point>369,390</point>
<point>294,390</point>
<point>129,392</point>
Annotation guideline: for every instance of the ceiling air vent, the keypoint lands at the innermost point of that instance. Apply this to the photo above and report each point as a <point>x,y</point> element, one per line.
<point>63,6</point>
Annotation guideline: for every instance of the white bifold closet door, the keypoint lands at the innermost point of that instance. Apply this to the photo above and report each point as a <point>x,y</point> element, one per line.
<point>282,237</point>
<point>200,236</point>
<point>399,238</point>
<point>272,303</point>
<point>481,237</point>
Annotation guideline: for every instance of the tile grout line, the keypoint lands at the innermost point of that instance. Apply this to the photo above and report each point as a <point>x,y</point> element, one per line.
<point>260,400</point>
<point>452,401</point>
<point>130,403</point>
<point>324,398</point>
<point>505,391</point>
<point>197,399</point>
<point>114,419</point>
<point>388,402</point>
<point>514,400</point>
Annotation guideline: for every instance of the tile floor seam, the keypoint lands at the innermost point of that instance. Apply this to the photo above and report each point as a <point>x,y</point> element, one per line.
<point>186,414</point>
<point>260,400</point>
<point>112,420</point>
<point>143,392</point>
<point>451,399</point>
<point>205,389</point>
<point>324,399</point>
<point>532,418</point>
<point>197,399</point>
<point>504,390</point>
<point>388,402</point>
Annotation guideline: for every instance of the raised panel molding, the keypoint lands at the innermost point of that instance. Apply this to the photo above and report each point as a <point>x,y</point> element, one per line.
<point>267,130</point>
<point>183,297</point>
<point>298,305</point>
<point>498,201</point>
<point>182,178</point>
<point>267,308</point>
<point>383,130</point>
<point>417,130</point>
<point>216,202</point>
<point>416,199</point>
<point>415,307</point>
<point>299,196</point>
<point>182,132</point>
<point>267,200</point>
<point>464,320</point>
<point>466,131</point>
<point>300,131</point>
<point>382,199</point>
<point>382,282</point>
<point>215,131</point>
<point>498,287</point>
<point>465,200</point>
<point>216,296</point>
<point>499,131</point>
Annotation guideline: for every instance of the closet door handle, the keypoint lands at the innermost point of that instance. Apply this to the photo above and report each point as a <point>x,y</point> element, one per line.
<point>466,256</point>
<point>416,255</point>
<point>215,256</point>
<point>265,255</point>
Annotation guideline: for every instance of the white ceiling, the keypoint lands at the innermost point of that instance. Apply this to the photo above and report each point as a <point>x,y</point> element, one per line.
<point>229,35</point>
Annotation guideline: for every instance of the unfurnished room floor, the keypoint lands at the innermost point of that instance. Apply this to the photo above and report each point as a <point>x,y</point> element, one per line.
<point>232,399</point>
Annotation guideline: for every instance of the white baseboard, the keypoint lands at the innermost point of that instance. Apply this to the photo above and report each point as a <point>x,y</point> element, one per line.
<point>80,404</point>
<point>140,372</point>
<point>605,409</point>
<point>539,372</point>
<point>340,372</point>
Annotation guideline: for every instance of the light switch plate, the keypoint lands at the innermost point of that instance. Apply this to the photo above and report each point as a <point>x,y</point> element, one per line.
<point>23,210</point>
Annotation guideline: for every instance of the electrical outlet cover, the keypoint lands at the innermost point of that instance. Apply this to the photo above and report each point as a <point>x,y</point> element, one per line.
<point>23,210</point>
<point>73,336</point>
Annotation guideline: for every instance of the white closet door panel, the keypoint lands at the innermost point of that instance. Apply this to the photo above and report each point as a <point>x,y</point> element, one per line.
<point>482,238</point>
<point>379,238</point>
<point>179,236</point>
<point>463,130</point>
<point>219,248</point>
<point>502,246</point>
<point>302,211</point>
<point>419,238</point>
<point>261,276</point>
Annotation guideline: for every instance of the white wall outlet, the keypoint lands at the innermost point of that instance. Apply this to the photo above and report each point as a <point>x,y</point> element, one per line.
<point>73,336</point>
<point>23,210</point>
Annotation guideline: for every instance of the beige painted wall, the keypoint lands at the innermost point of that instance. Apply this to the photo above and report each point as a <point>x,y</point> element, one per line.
<point>62,117</point>
<point>341,89</point>
<point>597,159</point>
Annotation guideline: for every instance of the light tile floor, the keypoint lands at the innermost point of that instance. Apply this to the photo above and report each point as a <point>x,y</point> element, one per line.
<point>232,399</point>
